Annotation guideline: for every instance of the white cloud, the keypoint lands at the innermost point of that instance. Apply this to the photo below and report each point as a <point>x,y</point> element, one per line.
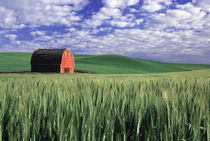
<point>120,23</point>
<point>103,15</point>
<point>205,4</point>
<point>113,17</point>
<point>119,3</point>
<point>153,6</point>
<point>185,17</point>
<point>127,20</point>
<point>11,36</point>
<point>138,21</point>
<point>111,12</point>
<point>38,33</point>
<point>17,13</point>
<point>133,10</point>
<point>132,2</point>
<point>33,4</point>
<point>7,18</point>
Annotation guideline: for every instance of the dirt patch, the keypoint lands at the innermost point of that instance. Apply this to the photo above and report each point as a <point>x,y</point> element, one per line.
<point>15,72</point>
<point>78,71</point>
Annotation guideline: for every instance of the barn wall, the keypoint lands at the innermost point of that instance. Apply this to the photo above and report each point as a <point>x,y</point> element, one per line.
<point>45,68</point>
<point>67,62</point>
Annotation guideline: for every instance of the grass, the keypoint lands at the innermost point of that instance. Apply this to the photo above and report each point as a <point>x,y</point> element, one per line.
<point>162,106</point>
<point>101,64</point>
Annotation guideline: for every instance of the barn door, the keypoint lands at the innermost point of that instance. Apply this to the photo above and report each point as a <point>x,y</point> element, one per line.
<point>66,70</point>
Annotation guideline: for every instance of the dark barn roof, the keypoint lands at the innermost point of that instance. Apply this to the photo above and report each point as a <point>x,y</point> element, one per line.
<point>47,56</point>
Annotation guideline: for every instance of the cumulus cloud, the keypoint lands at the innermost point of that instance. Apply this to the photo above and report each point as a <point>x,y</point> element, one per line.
<point>7,18</point>
<point>119,3</point>
<point>153,6</point>
<point>205,4</point>
<point>121,23</point>
<point>33,4</point>
<point>11,36</point>
<point>183,17</point>
<point>103,15</point>
<point>112,14</point>
<point>38,33</point>
<point>17,13</point>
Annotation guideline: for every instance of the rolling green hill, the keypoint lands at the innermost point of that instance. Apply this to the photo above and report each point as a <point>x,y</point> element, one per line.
<point>10,62</point>
<point>15,61</point>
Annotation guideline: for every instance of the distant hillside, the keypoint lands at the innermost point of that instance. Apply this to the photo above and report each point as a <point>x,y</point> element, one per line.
<point>10,62</point>
<point>123,64</point>
<point>14,61</point>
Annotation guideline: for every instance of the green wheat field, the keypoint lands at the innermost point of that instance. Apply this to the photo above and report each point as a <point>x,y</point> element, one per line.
<point>105,107</point>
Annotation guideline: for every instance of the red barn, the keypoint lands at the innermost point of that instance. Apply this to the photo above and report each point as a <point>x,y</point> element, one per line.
<point>52,60</point>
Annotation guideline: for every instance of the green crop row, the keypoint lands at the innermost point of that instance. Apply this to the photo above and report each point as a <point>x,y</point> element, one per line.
<point>167,107</point>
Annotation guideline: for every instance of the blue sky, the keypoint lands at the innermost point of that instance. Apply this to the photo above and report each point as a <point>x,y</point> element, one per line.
<point>162,30</point>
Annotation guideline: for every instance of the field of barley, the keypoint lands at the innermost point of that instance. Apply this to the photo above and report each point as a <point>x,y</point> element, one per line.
<point>96,107</point>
